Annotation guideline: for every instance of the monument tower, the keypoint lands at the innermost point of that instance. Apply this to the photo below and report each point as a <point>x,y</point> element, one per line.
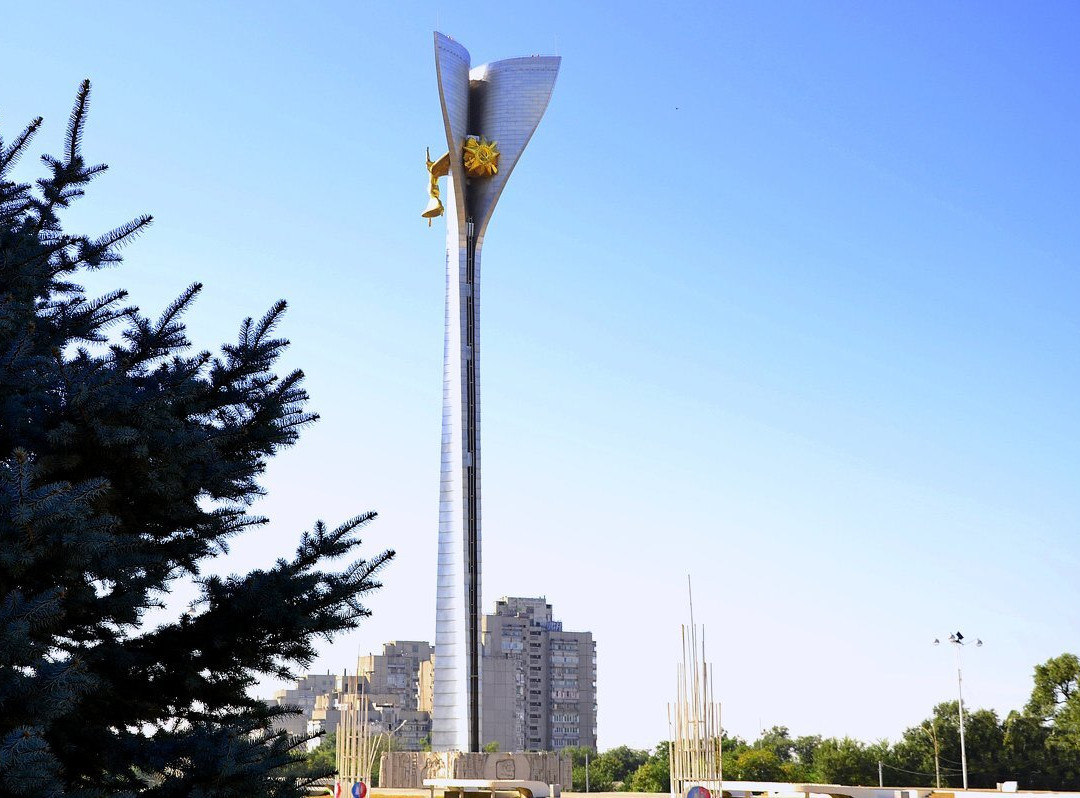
<point>490,112</point>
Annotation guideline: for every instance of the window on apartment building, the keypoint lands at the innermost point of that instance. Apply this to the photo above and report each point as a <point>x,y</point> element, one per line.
<point>565,717</point>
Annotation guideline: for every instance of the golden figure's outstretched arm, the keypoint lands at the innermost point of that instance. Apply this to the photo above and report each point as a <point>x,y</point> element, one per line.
<point>439,168</point>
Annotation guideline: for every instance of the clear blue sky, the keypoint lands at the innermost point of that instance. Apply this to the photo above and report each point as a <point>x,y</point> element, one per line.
<point>782,295</point>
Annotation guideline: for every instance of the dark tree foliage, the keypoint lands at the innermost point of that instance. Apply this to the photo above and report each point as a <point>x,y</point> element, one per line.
<point>126,462</point>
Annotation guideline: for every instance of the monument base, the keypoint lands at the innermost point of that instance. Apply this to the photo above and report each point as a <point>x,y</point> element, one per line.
<point>408,769</point>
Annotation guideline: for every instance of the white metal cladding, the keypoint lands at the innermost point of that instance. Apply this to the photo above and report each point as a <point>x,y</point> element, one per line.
<point>505,100</point>
<point>450,719</point>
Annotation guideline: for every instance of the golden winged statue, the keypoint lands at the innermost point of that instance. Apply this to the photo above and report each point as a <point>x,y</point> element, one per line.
<point>436,169</point>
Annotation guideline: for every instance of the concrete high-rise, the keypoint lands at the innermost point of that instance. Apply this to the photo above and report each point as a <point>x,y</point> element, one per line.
<point>539,680</point>
<point>303,696</point>
<point>489,113</point>
<point>388,685</point>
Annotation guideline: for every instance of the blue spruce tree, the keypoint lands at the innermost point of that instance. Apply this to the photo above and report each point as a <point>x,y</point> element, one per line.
<point>126,461</point>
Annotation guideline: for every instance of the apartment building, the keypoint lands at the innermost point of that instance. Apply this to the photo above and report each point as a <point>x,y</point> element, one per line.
<point>538,686</point>
<point>391,681</point>
<point>303,695</point>
<point>389,684</point>
<point>539,680</point>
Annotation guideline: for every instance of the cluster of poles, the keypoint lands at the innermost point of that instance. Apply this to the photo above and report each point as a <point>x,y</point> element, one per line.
<point>694,720</point>
<point>356,749</point>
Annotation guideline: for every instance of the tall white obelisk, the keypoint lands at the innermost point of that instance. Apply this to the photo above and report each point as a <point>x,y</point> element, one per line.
<point>490,113</point>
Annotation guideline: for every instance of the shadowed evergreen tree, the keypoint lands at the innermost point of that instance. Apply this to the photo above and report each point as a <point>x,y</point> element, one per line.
<point>126,462</point>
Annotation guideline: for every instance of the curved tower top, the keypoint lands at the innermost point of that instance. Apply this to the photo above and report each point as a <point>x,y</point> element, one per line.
<point>503,101</point>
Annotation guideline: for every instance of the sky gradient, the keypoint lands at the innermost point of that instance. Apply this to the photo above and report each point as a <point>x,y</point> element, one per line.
<point>782,296</point>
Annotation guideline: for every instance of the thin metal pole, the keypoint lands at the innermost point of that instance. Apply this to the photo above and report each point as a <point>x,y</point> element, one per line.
<point>960,691</point>
<point>937,757</point>
<point>932,734</point>
<point>671,753</point>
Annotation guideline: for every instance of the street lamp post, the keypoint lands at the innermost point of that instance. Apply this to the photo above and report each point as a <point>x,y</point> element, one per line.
<point>957,640</point>
<point>937,751</point>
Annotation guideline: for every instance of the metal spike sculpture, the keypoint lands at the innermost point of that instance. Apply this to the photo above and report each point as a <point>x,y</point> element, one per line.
<point>695,756</point>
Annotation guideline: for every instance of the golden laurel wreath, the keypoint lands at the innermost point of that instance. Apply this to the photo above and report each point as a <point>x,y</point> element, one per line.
<point>481,157</point>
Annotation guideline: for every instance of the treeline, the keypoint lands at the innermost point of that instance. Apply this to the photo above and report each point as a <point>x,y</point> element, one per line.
<point>1038,746</point>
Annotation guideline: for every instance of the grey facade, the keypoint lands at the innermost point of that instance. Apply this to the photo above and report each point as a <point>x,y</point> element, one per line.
<point>392,681</point>
<point>396,672</point>
<point>303,695</point>
<point>502,101</point>
<point>539,679</point>
<point>389,684</point>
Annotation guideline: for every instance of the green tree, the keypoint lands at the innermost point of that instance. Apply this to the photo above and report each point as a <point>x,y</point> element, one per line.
<point>613,768</point>
<point>794,757</point>
<point>1027,757</point>
<point>1046,737</point>
<point>985,741</point>
<point>755,764</point>
<point>846,761</point>
<point>315,763</point>
<point>984,737</point>
<point>801,765</point>
<point>127,461</point>
<point>730,748</point>
<point>578,755</point>
<point>654,775</point>
<point>805,746</point>
<point>916,756</point>
<point>384,743</point>
<point>1056,688</point>
<point>323,758</point>
<point>778,740</point>
<point>1055,700</point>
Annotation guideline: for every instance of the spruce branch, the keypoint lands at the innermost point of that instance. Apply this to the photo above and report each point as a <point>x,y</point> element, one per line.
<point>268,322</point>
<point>73,141</point>
<point>10,155</point>
<point>124,234</point>
<point>177,307</point>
